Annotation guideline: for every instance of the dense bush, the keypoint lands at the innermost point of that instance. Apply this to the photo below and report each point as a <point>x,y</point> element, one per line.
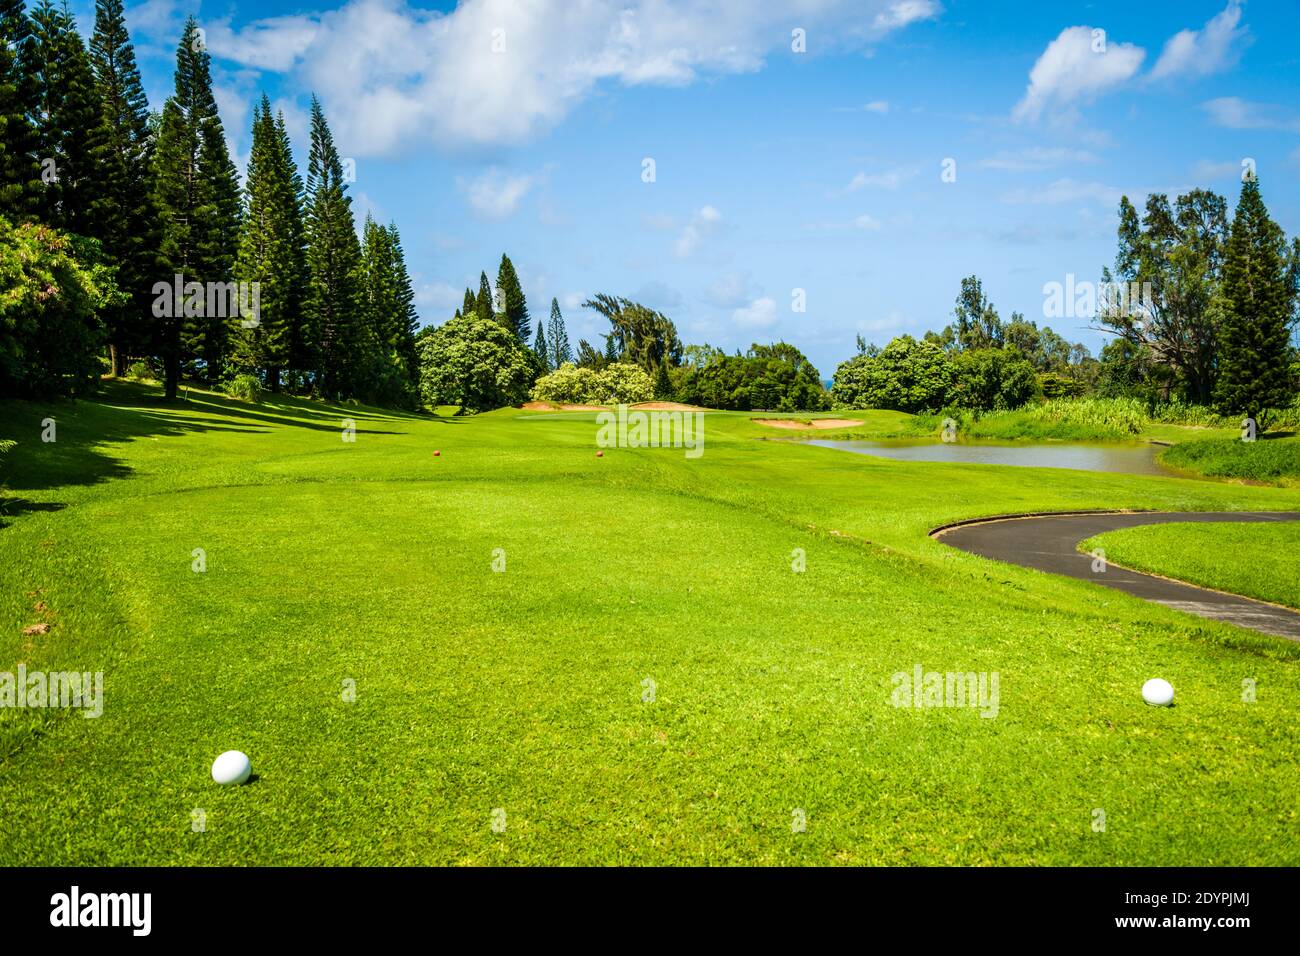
<point>246,388</point>
<point>475,363</point>
<point>52,289</point>
<point>615,384</point>
<point>774,377</point>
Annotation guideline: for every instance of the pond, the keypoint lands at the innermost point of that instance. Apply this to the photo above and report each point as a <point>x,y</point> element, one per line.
<point>1129,459</point>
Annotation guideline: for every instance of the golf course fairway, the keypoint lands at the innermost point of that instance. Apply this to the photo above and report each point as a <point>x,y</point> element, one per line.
<point>518,652</point>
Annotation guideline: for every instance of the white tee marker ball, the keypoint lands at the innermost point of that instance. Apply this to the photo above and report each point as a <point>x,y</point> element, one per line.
<point>1158,692</point>
<point>231,767</point>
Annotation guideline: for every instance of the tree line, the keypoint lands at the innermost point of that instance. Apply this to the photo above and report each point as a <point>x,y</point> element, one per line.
<point>126,229</point>
<point>1202,311</point>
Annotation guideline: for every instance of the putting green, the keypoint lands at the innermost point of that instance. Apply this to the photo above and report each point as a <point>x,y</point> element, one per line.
<point>648,680</point>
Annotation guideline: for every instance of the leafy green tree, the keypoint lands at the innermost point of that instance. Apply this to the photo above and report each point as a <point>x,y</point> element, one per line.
<point>475,363</point>
<point>130,227</point>
<point>1167,268</point>
<point>976,324</point>
<point>907,375</point>
<point>20,179</point>
<point>196,194</point>
<point>988,379</point>
<point>616,384</point>
<point>557,338</point>
<point>333,266</point>
<point>514,307</point>
<point>1255,306</point>
<point>270,253</point>
<point>55,285</point>
<point>637,334</point>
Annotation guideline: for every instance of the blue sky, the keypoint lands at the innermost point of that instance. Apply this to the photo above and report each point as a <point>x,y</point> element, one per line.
<point>775,170</point>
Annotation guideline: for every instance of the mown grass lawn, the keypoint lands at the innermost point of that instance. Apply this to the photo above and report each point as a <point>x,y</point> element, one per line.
<point>642,574</point>
<point>1260,562</point>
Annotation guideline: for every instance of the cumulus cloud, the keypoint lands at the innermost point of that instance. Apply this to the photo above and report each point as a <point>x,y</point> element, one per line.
<point>1201,52</point>
<point>759,314</point>
<point>867,222</point>
<point>496,71</point>
<point>495,194</point>
<point>702,224</point>
<point>1077,67</point>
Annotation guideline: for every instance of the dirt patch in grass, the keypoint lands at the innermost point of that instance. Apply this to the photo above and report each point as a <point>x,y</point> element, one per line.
<point>811,423</point>
<point>557,407</point>
<point>666,407</point>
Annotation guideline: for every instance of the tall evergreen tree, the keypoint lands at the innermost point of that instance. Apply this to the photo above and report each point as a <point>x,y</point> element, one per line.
<point>130,231</point>
<point>72,136</point>
<point>20,182</point>
<point>467,307</point>
<point>514,308</point>
<point>541,350</point>
<point>408,318</point>
<point>196,194</point>
<point>1255,304</point>
<point>557,337</point>
<point>270,253</point>
<point>333,263</point>
<point>483,303</point>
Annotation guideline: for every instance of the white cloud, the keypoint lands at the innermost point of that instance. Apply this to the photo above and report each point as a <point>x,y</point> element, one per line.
<point>1205,51</point>
<point>903,12</point>
<point>702,224</point>
<point>390,75</point>
<point>867,222</point>
<point>759,314</point>
<point>888,179</point>
<point>1037,158</point>
<point>495,194</point>
<point>731,290</point>
<point>439,296</point>
<point>877,106</point>
<point>1065,191</point>
<point>1207,169</point>
<point>1233,112</point>
<point>274,44</point>
<point>1072,70</point>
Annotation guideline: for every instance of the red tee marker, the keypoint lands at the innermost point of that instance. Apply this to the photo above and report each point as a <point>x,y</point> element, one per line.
<point>436,454</point>
<point>600,454</point>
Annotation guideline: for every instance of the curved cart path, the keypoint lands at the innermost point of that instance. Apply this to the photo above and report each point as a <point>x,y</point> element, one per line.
<point>1049,542</point>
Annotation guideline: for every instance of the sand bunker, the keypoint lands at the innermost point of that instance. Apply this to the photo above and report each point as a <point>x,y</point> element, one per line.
<point>814,423</point>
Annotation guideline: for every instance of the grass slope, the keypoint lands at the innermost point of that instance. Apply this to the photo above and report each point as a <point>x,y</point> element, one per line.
<point>1273,460</point>
<point>371,562</point>
<point>1259,561</point>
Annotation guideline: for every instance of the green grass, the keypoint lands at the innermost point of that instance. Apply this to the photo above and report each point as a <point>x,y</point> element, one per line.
<point>1257,560</point>
<point>1273,460</point>
<point>372,562</point>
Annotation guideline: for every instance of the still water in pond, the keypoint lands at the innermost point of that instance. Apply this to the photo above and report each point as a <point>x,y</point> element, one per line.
<point>1130,459</point>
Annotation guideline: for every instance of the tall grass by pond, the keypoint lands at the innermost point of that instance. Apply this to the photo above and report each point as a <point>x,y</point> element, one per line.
<point>1087,419</point>
<point>1274,460</point>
